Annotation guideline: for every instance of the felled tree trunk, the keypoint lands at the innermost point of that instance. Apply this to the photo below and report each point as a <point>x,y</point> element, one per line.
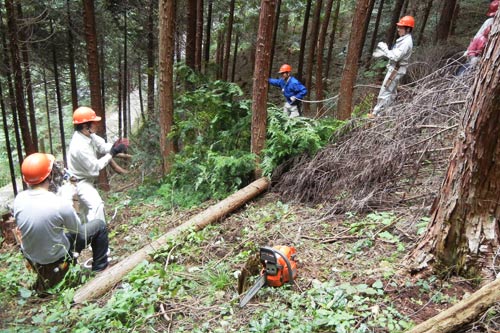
<point>103,282</point>
<point>463,312</point>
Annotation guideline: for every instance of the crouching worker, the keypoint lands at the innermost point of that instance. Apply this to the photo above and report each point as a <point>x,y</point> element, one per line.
<point>50,228</point>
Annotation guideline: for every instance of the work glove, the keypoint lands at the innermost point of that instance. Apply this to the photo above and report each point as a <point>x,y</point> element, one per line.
<point>292,99</point>
<point>383,46</point>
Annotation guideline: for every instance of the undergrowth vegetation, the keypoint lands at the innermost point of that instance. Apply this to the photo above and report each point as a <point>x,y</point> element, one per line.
<point>212,134</point>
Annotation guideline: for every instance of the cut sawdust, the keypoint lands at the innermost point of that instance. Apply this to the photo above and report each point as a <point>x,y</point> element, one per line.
<point>395,160</point>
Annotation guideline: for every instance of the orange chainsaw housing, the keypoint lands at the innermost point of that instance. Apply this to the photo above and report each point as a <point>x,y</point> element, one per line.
<point>283,275</point>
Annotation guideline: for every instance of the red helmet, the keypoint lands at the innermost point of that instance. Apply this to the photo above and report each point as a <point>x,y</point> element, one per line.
<point>285,68</point>
<point>406,21</point>
<point>84,114</point>
<point>36,167</point>
<point>493,8</point>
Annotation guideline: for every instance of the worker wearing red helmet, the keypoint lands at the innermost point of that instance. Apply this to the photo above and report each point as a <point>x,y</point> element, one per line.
<point>84,163</point>
<point>398,56</point>
<point>292,89</point>
<point>50,228</point>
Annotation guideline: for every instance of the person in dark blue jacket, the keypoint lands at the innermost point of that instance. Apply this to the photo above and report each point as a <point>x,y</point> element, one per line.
<point>292,89</point>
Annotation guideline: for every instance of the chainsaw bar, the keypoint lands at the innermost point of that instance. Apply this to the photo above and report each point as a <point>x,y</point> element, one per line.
<point>261,282</point>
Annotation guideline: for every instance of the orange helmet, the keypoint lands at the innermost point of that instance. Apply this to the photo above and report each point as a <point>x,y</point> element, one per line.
<point>493,8</point>
<point>84,114</point>
<point>36,167</point>
<point>406,21</point>
<point>285,68</point>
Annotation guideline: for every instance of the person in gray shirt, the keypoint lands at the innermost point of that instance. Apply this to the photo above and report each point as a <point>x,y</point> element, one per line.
<point>49,227</point>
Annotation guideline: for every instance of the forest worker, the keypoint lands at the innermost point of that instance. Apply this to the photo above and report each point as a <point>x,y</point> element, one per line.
<point>292,89</point>
<point>398,62</point>
<point>84,163</point>
<point>42,218</point>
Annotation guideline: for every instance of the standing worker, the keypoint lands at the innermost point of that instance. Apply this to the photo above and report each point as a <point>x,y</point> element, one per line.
<point>84,163</point>
<point>42,218</point>
<point>292,89</point>
<point>398,62</point>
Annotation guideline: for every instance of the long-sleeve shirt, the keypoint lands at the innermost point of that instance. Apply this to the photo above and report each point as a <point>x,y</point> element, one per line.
<point>290,87</point>
<point>400,53</point>
<point>82,161</point>
<point>42,218</point>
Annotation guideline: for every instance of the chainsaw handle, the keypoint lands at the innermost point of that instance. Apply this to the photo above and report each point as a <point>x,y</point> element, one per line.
<point>288,264</point>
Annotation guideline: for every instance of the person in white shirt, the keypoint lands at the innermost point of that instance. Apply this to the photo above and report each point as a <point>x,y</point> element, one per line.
<point>84,163</point>
<point>50,230</point>
<point>398,57</point>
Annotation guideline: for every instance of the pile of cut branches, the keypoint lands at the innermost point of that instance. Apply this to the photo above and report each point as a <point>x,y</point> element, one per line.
<point>391,161</point>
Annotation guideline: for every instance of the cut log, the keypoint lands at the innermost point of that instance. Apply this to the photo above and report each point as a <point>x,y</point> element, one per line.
<point>111,276</point>
<point>462,313</point>
<point>118,169</point>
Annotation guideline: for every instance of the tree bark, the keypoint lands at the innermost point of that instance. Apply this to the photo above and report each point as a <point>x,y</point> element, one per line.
<point>351,65</point>
<point>102,283</point>
<point>445,19</point>
<point>7,144</point>
<point>151,63</point>
<point>207,34</point>
<point>191,33</point>
<point>71,59</point>
<point>463,312</point>
<point>227,44</point>
<point>275,35</point>
<point>303,40</point>
<point>167,9</point>
<point>235,56</point>
<point>312,49</point>
<point>331,42</point>
<point>375,29</point>
<point>260,84</point>
<point>319,54</point>
<point>463,234</point>
<point>29,146</point>
<point>47,111</point>
<point>396,12</point>
<point>425,17</point>
<point>58,99</point>
<point>199,35</point>
<point>126,91</point>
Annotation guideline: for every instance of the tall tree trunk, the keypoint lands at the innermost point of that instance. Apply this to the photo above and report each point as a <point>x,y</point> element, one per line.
<point>219,53</point>
<point>7,144</point>
<point>47,111</point>
<point>260,76</point>
<point>29,146</point>
<point>151,62</point>
<point>235,56</point>
<point>463,235</point>
<point>319,54</point>
<point>227,44</point>
<point>12,98</point>
<point>396,12</point>
<point>58,99</point>
<point>365,28</point>
<point>165,77</point>
<point>71,59</point>
<point>275,35</point>
<point>102,70</point>
<point>191,33</point>
<point>27,79</point>
<point>126,91</point>
<point>207,34</point>
<point>93,64</point>
<point>445,19</point>
<point>119,96</point>
<point>351,64</point>
<point>199,34</point>
<point>423,24</point>
<point>139,87</point>
<point>312,49</point>
<point>94,78</point>
<point>331,42</point>
<point>375,30</point>
<point>303,40</point>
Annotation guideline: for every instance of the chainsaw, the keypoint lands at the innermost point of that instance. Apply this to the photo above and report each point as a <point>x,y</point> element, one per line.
<point>279,267</point>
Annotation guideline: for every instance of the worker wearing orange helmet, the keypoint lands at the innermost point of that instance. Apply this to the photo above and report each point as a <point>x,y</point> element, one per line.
<point>50,228</point>
<point>84,163</point>
<point>292,89</point>
<point>398,56</point>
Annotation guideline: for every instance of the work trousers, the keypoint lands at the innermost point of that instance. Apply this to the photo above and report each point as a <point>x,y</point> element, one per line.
<point>91,202</point>
<point>388,92</point>
<point>291,110</point>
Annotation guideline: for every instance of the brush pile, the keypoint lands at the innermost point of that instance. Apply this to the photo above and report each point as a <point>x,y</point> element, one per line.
<point>395,160</point>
